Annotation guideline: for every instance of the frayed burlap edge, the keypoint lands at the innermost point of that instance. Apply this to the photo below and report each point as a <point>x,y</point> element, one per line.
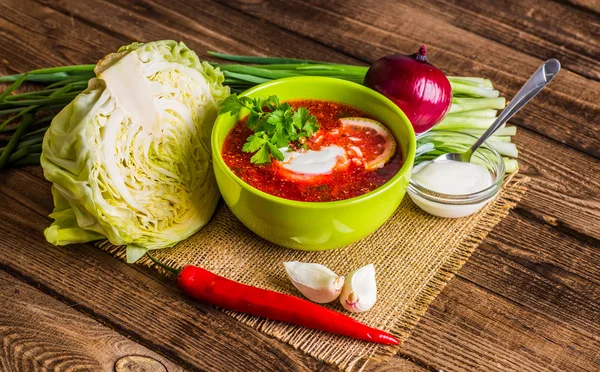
<point>513,189</point>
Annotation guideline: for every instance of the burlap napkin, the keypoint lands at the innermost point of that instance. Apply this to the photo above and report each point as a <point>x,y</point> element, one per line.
<point>415,256</point>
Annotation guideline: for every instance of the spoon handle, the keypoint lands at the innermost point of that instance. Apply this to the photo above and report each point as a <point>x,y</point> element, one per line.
<point>536,82</point>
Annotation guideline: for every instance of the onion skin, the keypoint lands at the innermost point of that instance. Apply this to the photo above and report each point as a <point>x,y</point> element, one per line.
<point>421,91</point>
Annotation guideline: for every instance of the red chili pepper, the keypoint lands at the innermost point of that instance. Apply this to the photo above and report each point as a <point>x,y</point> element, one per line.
<point>205,286</point>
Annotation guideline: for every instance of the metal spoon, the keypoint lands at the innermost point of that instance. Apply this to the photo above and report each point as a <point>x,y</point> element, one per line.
<point>536,82</point>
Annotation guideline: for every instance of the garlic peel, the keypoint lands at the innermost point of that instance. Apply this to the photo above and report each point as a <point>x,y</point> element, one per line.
<point>360,290</point>
<point>315,281</point>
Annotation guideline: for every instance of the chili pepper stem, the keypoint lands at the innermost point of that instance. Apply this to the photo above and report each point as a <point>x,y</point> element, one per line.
<point>164,266</point>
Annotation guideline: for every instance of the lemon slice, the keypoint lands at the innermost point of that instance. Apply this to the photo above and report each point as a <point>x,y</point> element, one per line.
<point>389,146</point>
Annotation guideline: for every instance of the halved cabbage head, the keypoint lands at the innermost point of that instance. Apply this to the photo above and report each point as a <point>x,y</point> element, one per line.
<point>129,159</point>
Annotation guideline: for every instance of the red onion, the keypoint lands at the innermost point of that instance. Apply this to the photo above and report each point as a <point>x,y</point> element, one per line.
<point>421,90</point>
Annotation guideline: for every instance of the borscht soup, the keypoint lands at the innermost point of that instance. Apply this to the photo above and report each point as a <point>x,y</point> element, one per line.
<point>348,155</point>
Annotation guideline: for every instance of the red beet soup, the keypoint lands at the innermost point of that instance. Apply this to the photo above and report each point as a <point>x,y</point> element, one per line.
<point>362,153</point>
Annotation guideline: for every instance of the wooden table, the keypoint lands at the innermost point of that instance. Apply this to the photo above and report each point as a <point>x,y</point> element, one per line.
<point>528,299</point>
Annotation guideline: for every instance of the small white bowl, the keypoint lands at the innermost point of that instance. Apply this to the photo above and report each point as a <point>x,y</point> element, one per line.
<point>455,206</point>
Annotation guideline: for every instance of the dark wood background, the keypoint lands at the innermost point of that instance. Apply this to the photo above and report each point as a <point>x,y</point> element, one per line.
<point>527,300</point>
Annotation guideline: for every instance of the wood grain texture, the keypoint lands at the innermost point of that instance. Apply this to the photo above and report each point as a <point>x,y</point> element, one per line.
<point>38,332</point>
<point>568,110</point>
<point>192,335</point>
<point>591,6</point>
<point>511,242</point>
<point>211,26</point>
<point>471,328</point>
<point>529,297</point>
<point>565,191</point>
<point>35,37</point>
<point>542,29</point>
<point>556,181</point>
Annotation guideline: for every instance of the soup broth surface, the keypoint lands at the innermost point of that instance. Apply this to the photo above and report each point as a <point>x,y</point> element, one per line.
<point>350,177</point>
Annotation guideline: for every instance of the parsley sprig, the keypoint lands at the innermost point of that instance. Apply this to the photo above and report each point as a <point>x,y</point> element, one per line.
<point>274,128</point>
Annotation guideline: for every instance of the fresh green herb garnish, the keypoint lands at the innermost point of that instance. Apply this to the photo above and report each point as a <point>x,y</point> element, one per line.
<point>273,129</point>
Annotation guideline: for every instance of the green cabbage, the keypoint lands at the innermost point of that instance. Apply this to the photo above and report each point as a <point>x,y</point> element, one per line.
<point>129,159</point>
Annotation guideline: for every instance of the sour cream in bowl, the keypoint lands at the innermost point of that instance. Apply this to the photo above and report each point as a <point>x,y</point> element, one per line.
<point>454,189</point>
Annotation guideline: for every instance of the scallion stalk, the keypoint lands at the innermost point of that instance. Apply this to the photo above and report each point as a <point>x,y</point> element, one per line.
<point>14,140</point>
<point>504,148</point>
<point>245,77</point>
<point>31,159</point>
<point>483,113</point>
<point>460,104</point>
<point>510,165</point>
<point>259,60</point>
<point>504,131</point>
<point>471,122</point>
<point>473,91</point>
<point>474,106</point>
<point>256,71</point>
<point>24,151</point>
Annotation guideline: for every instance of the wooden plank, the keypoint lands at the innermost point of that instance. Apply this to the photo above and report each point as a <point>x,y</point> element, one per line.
<point>155,315</point>
<point>121,20</point>
<point>555,183</point>
<point>469,328</point>
<point>209,27</point>
<point>35,37</point>
<point>583,5</point>
<point>542,29</point>
<point>519,238</point>
<point>555,213</point>
<point>543,287</point>
<point>39,332</point>
<point>563,194</point>
<point>565,191</point>
<point>395,365</point>
<point>536,244</point>
<point>158,298</point>
<point>567,110</point>
<point>469,346</point>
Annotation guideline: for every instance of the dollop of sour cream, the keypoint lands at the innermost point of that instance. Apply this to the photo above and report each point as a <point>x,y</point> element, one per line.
<point>452,177</point>
<point>313,162</point>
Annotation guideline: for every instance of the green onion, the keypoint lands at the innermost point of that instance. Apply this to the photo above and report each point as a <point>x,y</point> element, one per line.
<point>473,91</point>
<point>25,143</point>
<point>511,165</point>
<point>259,60</point>
<point>256,71</point>
<point>483,113</point>
<point>83,80</point>
<point>21,112</point>
<point>504,148</point>
<point>504,131</point>
<point>24,151</point>
<point>246,77</point>
<point>474,107</point>
<point>470,104</point>
<point>474,81</point>
<point>31,159</point>
<point>53,74</point>
<point>470,122</point>
<point>500,138</point>
<point>66,98</point>
<point>14,140</point>
<point>13,86</point>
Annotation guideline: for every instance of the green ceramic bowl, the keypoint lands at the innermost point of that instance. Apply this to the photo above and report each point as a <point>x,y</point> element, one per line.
<point>316,225</point>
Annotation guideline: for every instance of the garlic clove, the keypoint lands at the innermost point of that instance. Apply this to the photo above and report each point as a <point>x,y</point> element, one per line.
<point>316,282</point>
<point>360,290</point>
